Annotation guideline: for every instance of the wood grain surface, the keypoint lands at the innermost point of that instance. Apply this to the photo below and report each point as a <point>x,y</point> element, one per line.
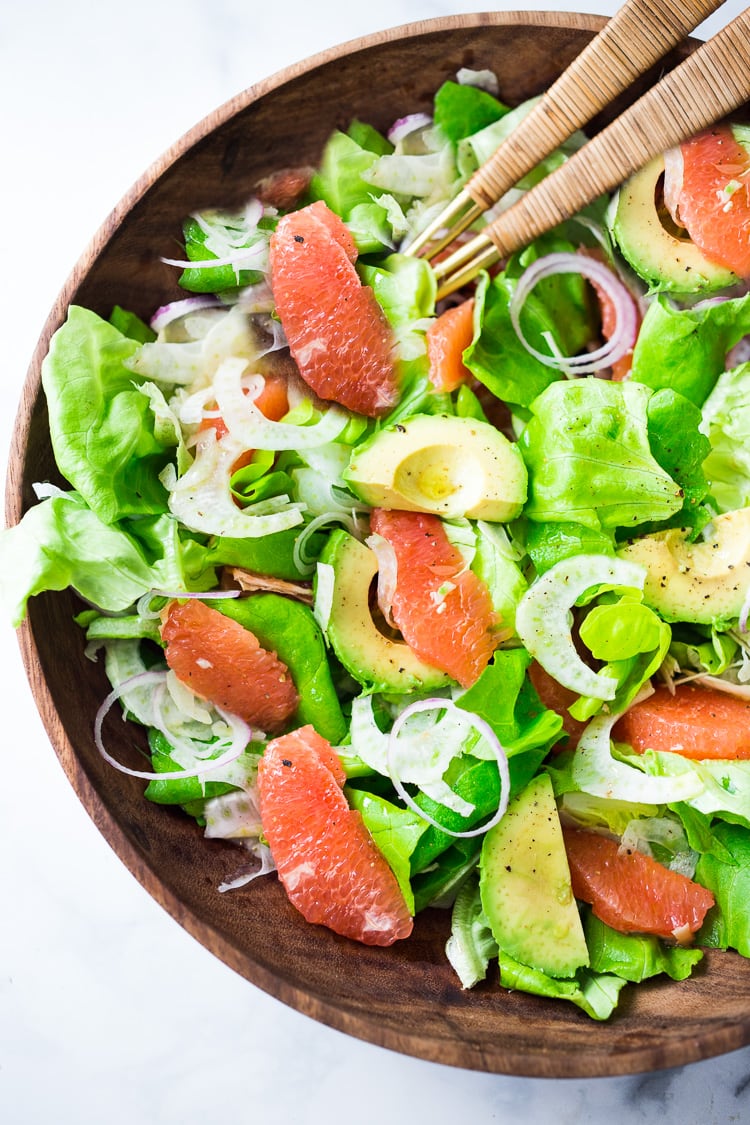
<point>407,997</point>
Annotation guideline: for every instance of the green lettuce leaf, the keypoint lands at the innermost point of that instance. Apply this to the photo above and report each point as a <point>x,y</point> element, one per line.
<point>635,957</point>
<point>289,629</point>
<point>101,425</point>
<point>213,279</point>
<point>726,422</point>
<point>596,994</point>
<point>462,110</point>
<point>631,641</point>
<point>685,349</point>
<point>548,543</point>
<point>396,832</point>
<point>680,448</point>
<point>61,543</point>
<point>505,699</point>
<point>589,460</point>
<point>471,944</point>
<point>727,924</point>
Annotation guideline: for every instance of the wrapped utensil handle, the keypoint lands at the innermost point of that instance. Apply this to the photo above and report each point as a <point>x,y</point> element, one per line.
<point>638,35</point>
<point>709,84</point>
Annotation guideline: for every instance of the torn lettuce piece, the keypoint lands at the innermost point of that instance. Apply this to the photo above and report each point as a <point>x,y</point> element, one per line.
<point>589,459</point>
<point>103,431</point>
<point>405,289</point>
<point>461,110</point>
<point>61,543</point>
<point>726,423</point>
<point>680,448</point>
<point>549,543</point>
<point>727,924</point>
<point>635,957</point>
<point>596,994</point>
<point>496,563</point>
<point>471,945</point>
<point>685,349</point>
<point>396,832</point>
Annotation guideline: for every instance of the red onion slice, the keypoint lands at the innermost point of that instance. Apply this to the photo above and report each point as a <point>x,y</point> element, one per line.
<point>624,335</point>
<point>489,736</point>
<point>175,309</point>
<point>241,735</point>
<point>409,124</point>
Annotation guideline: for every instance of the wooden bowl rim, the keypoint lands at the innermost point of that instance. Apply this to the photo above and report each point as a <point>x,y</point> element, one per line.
<point>465,1054</point>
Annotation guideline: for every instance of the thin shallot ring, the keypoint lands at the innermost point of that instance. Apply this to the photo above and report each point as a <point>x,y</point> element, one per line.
<point>242,736</point>
<point>490,737</point>
<point>622,338</point>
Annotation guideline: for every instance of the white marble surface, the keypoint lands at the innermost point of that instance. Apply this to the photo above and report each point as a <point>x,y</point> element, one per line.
<point>108,1010</point>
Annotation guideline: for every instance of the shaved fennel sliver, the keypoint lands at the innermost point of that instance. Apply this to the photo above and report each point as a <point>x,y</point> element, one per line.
<point>543,618</point>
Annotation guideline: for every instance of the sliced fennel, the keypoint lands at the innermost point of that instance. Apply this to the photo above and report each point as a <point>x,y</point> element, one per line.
<point>421,754</point>
<point>596,771</point>
<point>543,619</point>
<point>202,499</point>
<point>249,426</point>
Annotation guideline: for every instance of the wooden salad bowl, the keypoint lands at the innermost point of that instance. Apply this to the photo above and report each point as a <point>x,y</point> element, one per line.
<point>406,997</point>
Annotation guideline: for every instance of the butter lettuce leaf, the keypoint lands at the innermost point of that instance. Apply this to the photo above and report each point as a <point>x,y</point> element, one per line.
<point>460,110</point>
<point>548,543</point>
<point>726,423</point>
<point>685,349</point>
<point>102,428</point>
<point>596,994</point>
<point>61,543</point>
<point>589,459</point>
<point>727,924</point>
<point>680,448</point>
<point>635,957</point>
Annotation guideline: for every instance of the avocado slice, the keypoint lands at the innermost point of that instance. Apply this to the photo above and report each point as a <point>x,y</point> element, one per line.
<point>374,660</point>
<point>666,262</point>
<point>525,885</point>
<point>445,465</point>
<point>699,581</point>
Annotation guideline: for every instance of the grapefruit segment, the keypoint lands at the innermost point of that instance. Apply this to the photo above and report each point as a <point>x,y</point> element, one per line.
<point>630,891</point>
<point>696,722</point>
<point>223,662</point>
<point>557,698</point>
<point>443,610</point>
<point>712,201</point>
<point>447,338</point>
<point>331,869</point>
<point>337,332</point>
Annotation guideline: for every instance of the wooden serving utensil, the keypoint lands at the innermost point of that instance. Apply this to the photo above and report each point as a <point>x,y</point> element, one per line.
<point>711,83</point>
<point>636,37</point>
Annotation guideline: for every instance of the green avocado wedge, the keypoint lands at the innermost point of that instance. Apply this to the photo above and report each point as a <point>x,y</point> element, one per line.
<point>667,262</point>
<point>525,885</point>
<point>342,588</point>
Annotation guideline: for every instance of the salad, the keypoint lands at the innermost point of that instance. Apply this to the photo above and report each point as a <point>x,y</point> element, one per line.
<point>434,604</point>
